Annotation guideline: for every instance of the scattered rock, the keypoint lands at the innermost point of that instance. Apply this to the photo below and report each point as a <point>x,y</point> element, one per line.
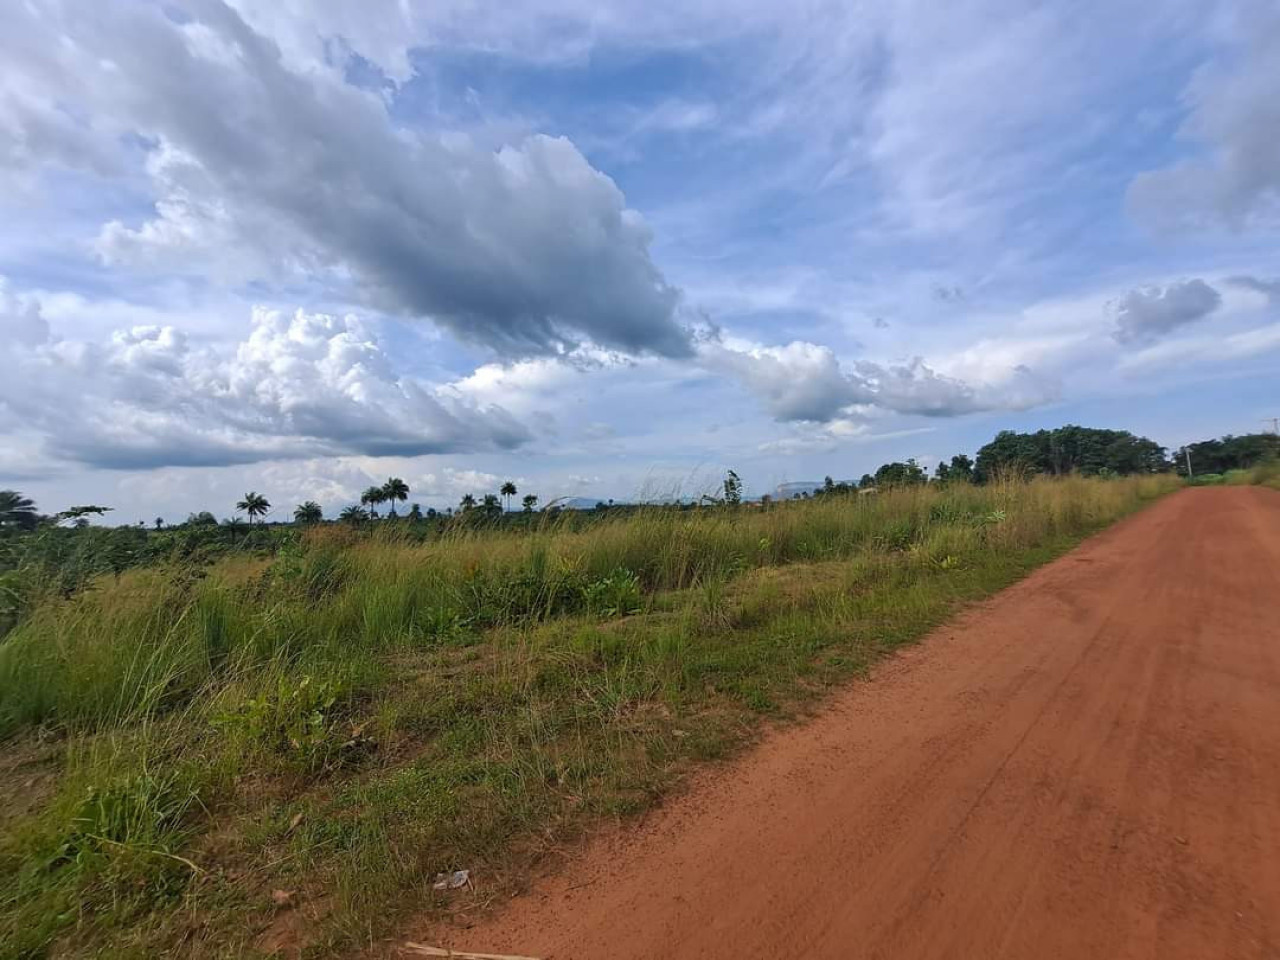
<point>452,881</point>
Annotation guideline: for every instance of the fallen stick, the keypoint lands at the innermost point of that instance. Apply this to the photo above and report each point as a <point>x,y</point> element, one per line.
<point>422,950</point>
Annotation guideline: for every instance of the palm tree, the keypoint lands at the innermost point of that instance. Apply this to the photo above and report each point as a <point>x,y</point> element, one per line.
<point>309,512</point>
<point>468,502</point>
<point>508,491</point>
<point>530,501</point>
<point>395,489</point>
<point>159,523</point>
<point>371,498</point>
<point>353,514</point>
<point>17,512</point>
<point>491,506</point>
<point>254,504</point>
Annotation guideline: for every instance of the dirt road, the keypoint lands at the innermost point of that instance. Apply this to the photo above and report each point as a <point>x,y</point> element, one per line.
<point>1085,766</point>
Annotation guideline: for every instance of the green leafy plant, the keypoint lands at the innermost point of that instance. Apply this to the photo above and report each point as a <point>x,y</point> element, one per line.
<point>616,595</point>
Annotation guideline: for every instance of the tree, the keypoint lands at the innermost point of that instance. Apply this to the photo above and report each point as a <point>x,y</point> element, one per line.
<point>254,504</point>
<point>353,514</point>
<point>159,523</point>
<point>491,506</point>
<point>395,489</point>
<point>467,503</point>
<point>1069,449</point>
<point>942,472</point>
<point>17,512</point>
<point>508,491</point>
<point>202,519</point>
<point>960,469</point>
<point>732,489</point>
<point>309,512</point>
<point>1228,453</point>
<point>415,512</point>
<point>76,514</point>
<point>867,482</point>
<point>900,474</point>
<point>529,502</point>
<point>828,485</point>
<point>371,498</point>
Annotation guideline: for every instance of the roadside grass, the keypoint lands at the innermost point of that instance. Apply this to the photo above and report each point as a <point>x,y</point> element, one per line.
<point>347,721</point>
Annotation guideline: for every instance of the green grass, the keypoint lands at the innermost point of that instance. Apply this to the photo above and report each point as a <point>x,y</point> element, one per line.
<point>353,717</point>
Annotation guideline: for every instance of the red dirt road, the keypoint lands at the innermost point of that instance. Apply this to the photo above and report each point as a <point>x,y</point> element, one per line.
<point>1085,766</point>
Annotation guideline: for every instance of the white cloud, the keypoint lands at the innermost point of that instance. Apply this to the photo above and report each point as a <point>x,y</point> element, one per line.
<point>263,170</point>
<point>299,385</point>
<point>1234,118</point>
<point>805,382</point>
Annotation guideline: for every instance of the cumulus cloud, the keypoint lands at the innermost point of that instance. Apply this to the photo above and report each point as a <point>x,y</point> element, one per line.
<point>1146,314</point>
<point>300,385</point>
<point>265,170</point>
<point>1234,104</point>
<point>805,382</point>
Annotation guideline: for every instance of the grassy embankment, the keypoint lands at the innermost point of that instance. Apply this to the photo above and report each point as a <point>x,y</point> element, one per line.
<point>350,718</point>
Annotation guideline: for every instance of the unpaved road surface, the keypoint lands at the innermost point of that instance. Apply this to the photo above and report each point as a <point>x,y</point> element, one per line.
<point>1085,766</point>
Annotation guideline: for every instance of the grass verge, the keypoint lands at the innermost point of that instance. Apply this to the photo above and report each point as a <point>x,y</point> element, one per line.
<point>256,758</point>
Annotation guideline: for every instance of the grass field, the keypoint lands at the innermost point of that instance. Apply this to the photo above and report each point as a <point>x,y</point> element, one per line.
<point>185,746</point>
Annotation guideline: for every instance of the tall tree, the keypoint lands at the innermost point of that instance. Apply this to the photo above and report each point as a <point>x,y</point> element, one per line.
<point>491,505</point>
<point>467,503</point>
<point>900,474</point>
<point>353,514</point>
<point>508,491</point>
<point>529,502</point>
<point>309,512</point>
<point>371,498</point>
<point>17,512</point>
<point>961,468</point>
<point>254,504</point>
<point>395,489</point>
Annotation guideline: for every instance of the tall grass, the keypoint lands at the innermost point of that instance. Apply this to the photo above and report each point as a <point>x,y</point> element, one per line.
<point>370,711</point>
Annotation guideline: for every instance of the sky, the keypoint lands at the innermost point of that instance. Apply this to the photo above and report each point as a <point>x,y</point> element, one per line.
<point>612,249</point>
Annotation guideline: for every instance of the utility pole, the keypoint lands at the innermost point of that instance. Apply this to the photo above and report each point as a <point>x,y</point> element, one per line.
<point>1187,450</point>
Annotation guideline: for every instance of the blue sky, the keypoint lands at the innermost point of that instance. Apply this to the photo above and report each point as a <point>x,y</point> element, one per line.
<point>612,249</point>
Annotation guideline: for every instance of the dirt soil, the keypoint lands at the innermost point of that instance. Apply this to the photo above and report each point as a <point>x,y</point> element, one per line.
<point>1085,766</point>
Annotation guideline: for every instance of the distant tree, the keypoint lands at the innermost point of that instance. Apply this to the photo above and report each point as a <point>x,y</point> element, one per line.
<point>432,513</point>
<point>942,472</point>
<point>309,512</point>
<point>1069,449</point>
<point>467,503</point>
<point>17,512</point>
<point>491,506</point>
<point>867,482</point>
<point>395,489</point>
<point>1228,453</point>
<point>900,474</point>
<point>353,514</point>
<point>254,504</point>
<point>960,469</point>
<point>529,502</point>
<point>83,512</point>
<point>508,490</point>
<point>159,523</point>
<point>371,498</point>
<point>202,519</point>
<point>828,485</point>
<point>732,489</point>
<point>415,512</point>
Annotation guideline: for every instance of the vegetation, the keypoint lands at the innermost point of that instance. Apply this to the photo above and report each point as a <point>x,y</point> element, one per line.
<point>348,715</point>
<point>1228,453</point>
<point>1070,449</point>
